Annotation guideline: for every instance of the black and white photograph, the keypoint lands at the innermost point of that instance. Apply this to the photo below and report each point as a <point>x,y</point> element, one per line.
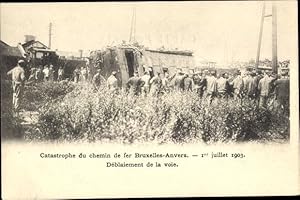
<point>204,73</point>
<point>146,78</point>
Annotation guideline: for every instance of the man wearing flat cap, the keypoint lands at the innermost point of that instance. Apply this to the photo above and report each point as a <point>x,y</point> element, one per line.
<point>18,80</point>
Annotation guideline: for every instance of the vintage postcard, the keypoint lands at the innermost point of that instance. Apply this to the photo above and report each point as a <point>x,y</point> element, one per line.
<point>149,99</point>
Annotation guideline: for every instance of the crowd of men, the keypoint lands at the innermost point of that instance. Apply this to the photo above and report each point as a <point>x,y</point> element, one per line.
<point>42,73</point>
<point>262,88</point>
<point>48,73</point>
<point>38,74</point>
<point>259,87</point>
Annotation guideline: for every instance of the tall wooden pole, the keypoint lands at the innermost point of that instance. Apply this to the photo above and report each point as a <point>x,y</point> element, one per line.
<point>132,38</point>
<point>274,39</point>
<point>50,34</point>
<point>260,35</point>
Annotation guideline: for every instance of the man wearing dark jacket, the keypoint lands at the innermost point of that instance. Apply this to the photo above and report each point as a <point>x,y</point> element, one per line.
<point>200,83</point>
<point>178,83</point>
<point>134,84</point>
<point>282,90</point>
<point>188,82</point>
<point>98,79</point>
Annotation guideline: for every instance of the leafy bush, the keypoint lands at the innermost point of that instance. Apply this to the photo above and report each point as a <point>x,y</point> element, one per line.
<point>38,94</point>
<point>10,125</point>
<point>35,96</point>
<point>86,114</point>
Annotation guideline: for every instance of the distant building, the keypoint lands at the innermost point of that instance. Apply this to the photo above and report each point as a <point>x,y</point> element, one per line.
<point>39,53</point>
<point>34,44</point>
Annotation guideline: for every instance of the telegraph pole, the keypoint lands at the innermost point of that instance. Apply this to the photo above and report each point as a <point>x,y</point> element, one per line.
<point>260,35</point>
<point>274,38</point>
<point>133,27</point>
<point>50,35</point>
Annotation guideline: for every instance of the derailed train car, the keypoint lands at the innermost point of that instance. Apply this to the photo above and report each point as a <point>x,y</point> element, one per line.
<point>127,59</point>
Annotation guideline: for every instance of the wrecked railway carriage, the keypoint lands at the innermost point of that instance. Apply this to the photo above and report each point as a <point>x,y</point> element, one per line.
<point>128,59</point>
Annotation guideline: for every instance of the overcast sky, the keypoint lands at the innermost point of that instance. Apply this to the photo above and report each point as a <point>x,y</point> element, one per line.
<point>219,31</point>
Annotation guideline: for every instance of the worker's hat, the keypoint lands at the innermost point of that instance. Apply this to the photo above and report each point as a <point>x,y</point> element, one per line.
<point>213,72</point>
<point>114,73</point>
<point>21,61</point>
<point>284,73</point>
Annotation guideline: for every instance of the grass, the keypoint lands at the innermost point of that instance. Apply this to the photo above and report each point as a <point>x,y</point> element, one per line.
<point>68,112</point>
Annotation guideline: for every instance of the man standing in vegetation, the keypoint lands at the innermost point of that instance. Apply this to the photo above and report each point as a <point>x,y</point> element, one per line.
<point>18,80</point>
<point>39,74</point>
<point>76,74</point>
<point>146,79</point>
<point>258,76</point>
<point>211,89</point>
<point>135,84</point>
<point>32,74</point>
<point>155,85</point>
<point>166,83</point>
<point>238,85</point>
<point>51,73</point>
<point>264,90</point>
<point>178,82</point>
<point>196,80</point>
<point>250,86</point>
<point>98,79</point>
<point>188,82</point>
<point>60,73</point>
<point>83,74</point>
<point>282,90</point>
<point>222,86</point>
<point>112,82</point>
<point>46,73</point>
<point>202,83</point>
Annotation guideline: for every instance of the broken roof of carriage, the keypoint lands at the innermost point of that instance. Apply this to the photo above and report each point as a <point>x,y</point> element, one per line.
<point>7,50</point>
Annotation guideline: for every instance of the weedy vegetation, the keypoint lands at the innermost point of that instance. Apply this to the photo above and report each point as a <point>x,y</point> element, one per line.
<point>77,112</point>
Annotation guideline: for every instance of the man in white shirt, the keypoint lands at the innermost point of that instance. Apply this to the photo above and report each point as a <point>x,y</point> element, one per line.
<point>46,72</point>
<point>18,81</point>
<point>60,74</point>
<point>146,79</point>
<point>112,82</point>
<point>211,88</point>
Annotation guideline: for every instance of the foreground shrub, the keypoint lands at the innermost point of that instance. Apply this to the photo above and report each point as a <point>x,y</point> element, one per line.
<point>38,94</point>
<point>10,125</point>
<point>87,114</point>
